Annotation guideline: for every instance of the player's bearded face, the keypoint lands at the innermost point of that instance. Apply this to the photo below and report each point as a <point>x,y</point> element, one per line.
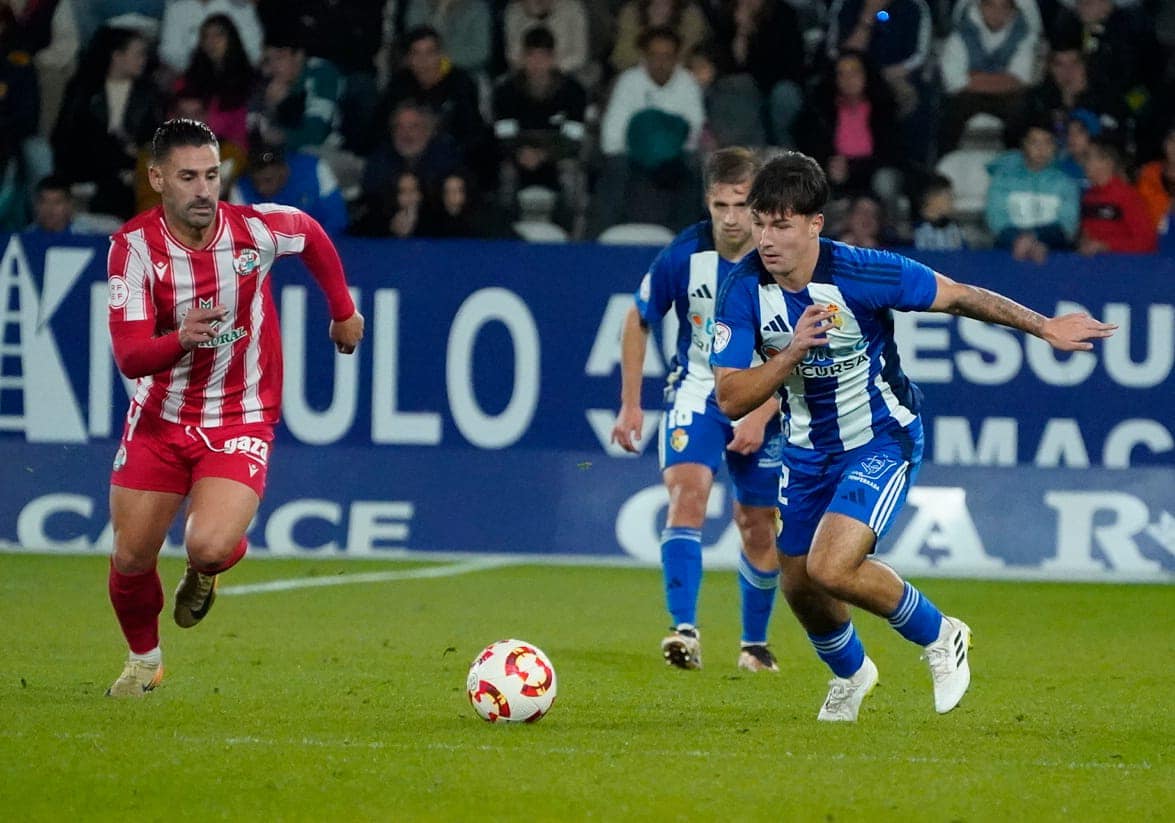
<point>190,185</point>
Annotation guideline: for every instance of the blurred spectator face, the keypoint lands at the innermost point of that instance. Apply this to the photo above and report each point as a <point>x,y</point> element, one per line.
<point>214,41</point>
<point>54,209</point>
<point>424,60</point>
<point>1040,148</point>
<point>850,77</point>
<point>453,195</point>
<point>411,130</point>
<point>1098,165</point>
<point>408,194</point>
<point>190,107</point>
<point>661,59</point>
<point>997,13</point>
<point>701,67</point>
<point>864,219</point>
<point>1068,70</point>
<point>537,64</point>
<point>1093,12</point>
<point>537,8</point>
<point>660,12</point>
<point>270,178</point>
<point>128,62</point>
<point>283,63</point>
<point>1169,146</point>
<point>1076,139</point>
<point>938,204</point>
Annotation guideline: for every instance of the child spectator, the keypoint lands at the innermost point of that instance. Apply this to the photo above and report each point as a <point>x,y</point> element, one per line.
<point>1156,184</point>
<point>1032,206</point>
<point>936,228</point>
<point>864,224</point>
<point>397,211</point>
<point>1114,217</point>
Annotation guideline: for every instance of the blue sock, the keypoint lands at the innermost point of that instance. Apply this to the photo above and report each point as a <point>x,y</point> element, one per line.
<point>916,618</point>
<point>681,565</point>
<point>758,596</point>
<point>841,650</point>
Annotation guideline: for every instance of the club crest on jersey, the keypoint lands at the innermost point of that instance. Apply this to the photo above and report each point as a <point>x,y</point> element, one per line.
<point>247,262</point>
<point>120,457</point>
<point>721,336</point>
<point>678,440</point>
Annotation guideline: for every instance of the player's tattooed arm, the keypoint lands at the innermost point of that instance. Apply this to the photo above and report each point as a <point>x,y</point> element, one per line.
<point>1067,332</point>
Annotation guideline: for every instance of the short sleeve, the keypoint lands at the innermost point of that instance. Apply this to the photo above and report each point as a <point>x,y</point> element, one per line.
<point>885,280</point>
<point>736,323</point>
<point>654,297</point>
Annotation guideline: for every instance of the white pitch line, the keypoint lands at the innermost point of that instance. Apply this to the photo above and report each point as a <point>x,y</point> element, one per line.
<point>366,577</point>
<point>205,742</point>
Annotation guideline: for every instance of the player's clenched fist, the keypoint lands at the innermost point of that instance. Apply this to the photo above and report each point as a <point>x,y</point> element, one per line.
<point>199,326</point>
<point>812,328</point>
<point>346,334</point>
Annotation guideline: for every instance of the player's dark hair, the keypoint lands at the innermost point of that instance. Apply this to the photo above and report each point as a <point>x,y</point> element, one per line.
<point>792,182</point>
<point>180,131</point>
<point>731,165</point>
<point>540,37</point>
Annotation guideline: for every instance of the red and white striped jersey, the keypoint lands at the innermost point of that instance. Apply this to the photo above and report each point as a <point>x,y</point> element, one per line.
<point>155,279</point>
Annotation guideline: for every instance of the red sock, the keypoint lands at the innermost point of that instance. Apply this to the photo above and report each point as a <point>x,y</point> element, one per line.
<point>232,560</point>
<point>137,601</point>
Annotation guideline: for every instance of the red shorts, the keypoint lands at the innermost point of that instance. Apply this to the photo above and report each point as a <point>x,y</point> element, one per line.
<point>158,456</point>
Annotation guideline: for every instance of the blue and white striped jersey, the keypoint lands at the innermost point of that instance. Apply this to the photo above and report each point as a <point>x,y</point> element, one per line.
<point>846,393</point>
<point>686,277</point>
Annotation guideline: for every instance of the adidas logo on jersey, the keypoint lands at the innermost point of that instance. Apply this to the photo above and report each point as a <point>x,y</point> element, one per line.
<point>702,291</point>
<point>776,324</point>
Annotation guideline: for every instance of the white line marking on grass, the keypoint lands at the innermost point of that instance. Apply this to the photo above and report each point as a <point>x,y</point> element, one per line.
<point>820,757</point>
<point>367,577</point>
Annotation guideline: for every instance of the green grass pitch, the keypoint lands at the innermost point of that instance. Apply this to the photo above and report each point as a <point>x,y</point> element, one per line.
<point>347,703</point>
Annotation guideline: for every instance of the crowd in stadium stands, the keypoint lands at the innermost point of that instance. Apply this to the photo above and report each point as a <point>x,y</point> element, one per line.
<point>1030,125</point>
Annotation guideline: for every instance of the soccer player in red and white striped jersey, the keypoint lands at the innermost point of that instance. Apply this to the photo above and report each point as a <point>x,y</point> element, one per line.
<point>192,318</point>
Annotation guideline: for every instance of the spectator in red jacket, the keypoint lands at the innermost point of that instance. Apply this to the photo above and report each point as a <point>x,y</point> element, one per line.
<point>1114,217</point>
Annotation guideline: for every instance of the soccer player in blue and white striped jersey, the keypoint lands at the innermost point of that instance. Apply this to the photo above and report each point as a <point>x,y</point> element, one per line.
<point>819,314</point>
<point>695,437</point>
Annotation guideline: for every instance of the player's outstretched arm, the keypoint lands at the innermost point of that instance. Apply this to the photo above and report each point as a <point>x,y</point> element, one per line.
<point>1066,332</point>
<point>741,391</point>
<point>630,421</point>
<point>346,334</point>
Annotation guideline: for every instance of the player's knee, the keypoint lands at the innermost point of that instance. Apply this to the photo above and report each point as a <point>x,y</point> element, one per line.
<point>687,506</point>
<point>829,573</point>
<point>130,562</point>
<point>209,550</point>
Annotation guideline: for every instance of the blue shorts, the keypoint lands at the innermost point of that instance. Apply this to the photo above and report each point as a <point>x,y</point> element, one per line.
<point>868,484</point>
<point>701,437</point>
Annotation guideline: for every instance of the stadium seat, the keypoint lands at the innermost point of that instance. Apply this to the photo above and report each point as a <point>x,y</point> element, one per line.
<point>635,234</point>
<point>967,170</point>
<point>540,231</point>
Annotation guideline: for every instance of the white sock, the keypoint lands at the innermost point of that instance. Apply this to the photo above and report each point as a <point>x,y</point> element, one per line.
<point>151,658</point>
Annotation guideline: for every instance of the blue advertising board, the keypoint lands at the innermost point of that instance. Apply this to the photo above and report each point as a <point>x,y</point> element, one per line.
<point>476,415</point>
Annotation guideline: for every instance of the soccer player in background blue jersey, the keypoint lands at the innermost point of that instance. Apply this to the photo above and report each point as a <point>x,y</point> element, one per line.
<point>694,436</point>
<point>819,314</point>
